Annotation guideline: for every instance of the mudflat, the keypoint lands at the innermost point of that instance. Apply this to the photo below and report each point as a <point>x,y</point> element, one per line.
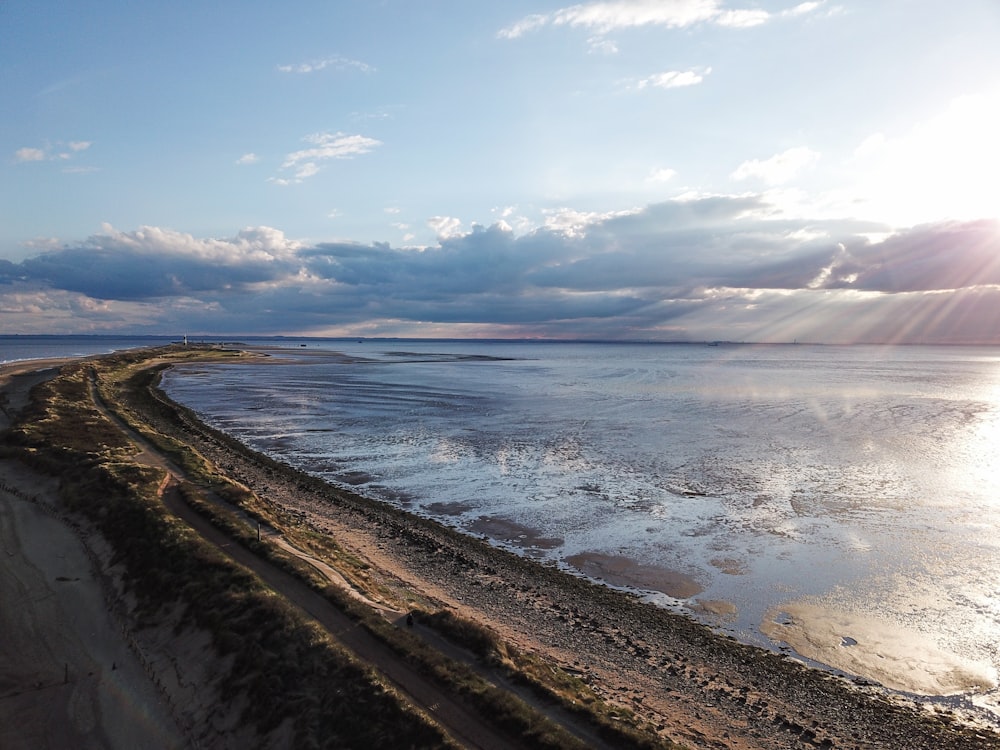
<point>69,656</point>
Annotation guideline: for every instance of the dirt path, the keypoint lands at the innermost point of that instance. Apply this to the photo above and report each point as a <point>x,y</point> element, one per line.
<point>462,724</point>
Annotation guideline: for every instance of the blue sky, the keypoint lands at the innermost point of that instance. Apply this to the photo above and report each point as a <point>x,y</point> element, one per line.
<point>629,169</point>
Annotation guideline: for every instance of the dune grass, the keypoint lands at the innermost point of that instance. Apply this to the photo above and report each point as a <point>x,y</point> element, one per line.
<point>285,667</point>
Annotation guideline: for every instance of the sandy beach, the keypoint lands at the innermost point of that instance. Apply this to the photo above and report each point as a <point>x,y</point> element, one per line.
<point>69,677</point>
<point>69,657</point>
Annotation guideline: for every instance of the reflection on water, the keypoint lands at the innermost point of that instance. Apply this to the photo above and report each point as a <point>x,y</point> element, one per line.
<point>856,482</point>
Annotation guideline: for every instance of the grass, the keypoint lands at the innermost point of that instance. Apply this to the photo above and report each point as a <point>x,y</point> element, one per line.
<point>171,426</point>
<point>285,666</point>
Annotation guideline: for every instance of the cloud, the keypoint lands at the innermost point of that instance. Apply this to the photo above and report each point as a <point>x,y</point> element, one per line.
<point>673,79</point>
<point>151,262</point>
<point>613,15</point>
<point>250,158</point>
<point>604,17</point>
<point>712,267</point>
<point>445,226</point>
<point>937,257</point>
<point>780,168</point>
<point>337,62</point>
<point>325,146</point>
<point>742,19</point>
<point>661,174</point>
<point>58,151</point>
<point>29,154</point>
<point>601,45</point>
<point>803,8</point>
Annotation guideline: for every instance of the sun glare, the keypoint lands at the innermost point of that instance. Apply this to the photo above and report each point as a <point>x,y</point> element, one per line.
<point>944,168</point>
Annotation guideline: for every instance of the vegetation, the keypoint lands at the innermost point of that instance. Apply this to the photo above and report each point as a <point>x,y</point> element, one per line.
<point>288,668</point>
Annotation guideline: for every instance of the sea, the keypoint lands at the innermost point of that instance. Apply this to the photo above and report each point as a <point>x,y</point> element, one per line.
<point>840,504</point>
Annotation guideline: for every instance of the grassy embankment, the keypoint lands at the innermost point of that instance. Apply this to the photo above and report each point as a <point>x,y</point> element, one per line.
<point>287,668</point>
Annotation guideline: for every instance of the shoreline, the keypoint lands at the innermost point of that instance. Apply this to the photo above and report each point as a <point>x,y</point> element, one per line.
<point>693,683</point>
<point>697,687</point>
<point>906,663</point>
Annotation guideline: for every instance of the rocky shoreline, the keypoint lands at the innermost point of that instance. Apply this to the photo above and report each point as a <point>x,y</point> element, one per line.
<point>698,688</point>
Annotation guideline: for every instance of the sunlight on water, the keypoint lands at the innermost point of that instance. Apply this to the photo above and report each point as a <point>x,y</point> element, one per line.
<point>813,496</point>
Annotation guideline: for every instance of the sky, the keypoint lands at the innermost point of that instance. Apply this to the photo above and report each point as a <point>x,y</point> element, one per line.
<point>678,170</point>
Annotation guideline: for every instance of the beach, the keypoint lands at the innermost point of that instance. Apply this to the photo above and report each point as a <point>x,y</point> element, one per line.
<point>695,687</point>
<point>69,676</point>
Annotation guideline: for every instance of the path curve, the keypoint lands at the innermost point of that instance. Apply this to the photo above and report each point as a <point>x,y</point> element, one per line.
<point>462,724</point>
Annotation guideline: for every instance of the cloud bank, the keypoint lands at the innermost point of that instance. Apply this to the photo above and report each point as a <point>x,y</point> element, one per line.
<point>702,269</point>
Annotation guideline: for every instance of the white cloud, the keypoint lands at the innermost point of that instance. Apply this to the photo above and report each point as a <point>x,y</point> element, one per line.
<point>607,16</point>
<point>29,154</point>
<point>573,223</point>
<point>250,158</point>
<point>253,243</point>
<point>610,15</point>
<point>600,45</point>
<point>803,8</point>
<point>526,24</point>
<point>445,226</point>
<point>43,243</point>
<point>331,146</point>
<point>336,62</point>
<point>779,168</point>
<point>60,151</point>
<point>325,146</point>
<point>391,209</point>
<point>308,169</point>
<point>673,79</point>
<point>742,19</point>
<point>661,174</point>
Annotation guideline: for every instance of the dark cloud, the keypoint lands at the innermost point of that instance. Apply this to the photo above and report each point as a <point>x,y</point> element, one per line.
<point>943,256</point>
<point>711,268</point>
<point>152,263</point>
<point>8,272</point>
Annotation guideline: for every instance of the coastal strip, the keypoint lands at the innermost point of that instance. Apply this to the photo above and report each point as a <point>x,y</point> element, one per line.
<point>656,669</point>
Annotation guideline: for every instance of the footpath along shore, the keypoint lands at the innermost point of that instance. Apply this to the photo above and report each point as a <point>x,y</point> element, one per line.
<point>698,688</point>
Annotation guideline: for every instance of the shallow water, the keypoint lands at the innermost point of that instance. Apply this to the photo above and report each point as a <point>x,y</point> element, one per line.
<point>782,489</point>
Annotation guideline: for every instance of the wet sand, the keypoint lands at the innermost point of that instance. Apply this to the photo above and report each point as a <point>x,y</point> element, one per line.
<point>882,651</point>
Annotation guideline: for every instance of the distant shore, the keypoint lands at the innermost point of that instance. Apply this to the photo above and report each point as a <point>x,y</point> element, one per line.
<point>696,687</point>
